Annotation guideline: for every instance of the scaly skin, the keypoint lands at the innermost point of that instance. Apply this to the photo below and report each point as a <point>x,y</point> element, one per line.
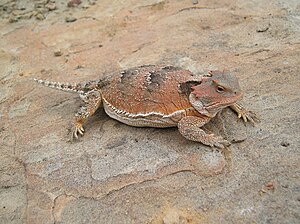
<point>160,96</point>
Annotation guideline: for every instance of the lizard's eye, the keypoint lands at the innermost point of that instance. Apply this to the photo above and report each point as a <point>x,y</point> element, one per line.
<point>220,89</point>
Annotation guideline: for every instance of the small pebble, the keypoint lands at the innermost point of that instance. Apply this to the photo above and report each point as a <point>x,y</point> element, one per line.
<point>262,28</point>
<point>74,3</point>
<point>57,53</point>
<point>79,66</point>
<point>195,2</point>
<point>50,6</point>
<point>285,143</point>
<point>270,186</point>
<point>70,19</point>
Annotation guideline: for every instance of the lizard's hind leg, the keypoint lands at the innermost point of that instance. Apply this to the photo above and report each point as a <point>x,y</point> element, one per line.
<point>92,100</point>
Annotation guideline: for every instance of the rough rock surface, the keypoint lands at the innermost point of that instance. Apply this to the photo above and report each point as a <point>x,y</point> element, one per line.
<point>121,174</point>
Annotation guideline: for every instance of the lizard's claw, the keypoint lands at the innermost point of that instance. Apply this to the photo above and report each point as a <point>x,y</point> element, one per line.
<point>78,129</point>
<point>248,116</point>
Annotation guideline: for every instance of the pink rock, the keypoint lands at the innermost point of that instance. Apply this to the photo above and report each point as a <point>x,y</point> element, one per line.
<point>74,3</point>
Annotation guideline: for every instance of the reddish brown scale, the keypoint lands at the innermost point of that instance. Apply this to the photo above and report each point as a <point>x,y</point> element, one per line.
<point>150,89</point>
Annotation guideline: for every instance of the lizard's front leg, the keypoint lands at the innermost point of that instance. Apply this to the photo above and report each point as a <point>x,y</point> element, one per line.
<point>92,101</point>
<point>243,113</point>
<point>189,127</point>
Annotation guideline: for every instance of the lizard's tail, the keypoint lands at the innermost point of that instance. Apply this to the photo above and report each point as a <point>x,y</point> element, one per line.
<point>61,86</point>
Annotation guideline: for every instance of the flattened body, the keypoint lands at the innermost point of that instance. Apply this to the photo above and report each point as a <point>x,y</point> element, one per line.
<point>155,96</point>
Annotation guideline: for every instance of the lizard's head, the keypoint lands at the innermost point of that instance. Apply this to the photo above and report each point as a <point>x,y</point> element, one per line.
<point>216,92</point>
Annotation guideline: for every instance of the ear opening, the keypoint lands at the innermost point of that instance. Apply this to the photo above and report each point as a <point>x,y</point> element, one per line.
<point>187,87</point>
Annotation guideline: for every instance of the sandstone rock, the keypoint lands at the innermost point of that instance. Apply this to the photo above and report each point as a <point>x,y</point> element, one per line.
<point>121,174</point>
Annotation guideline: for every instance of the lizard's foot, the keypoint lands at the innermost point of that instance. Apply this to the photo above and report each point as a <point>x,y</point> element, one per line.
<point>78,129</point>
<point>245,114</point>
<point>92,101</point>
<point>189,127</point>
<point>248,116</point>
<point>216,141</point>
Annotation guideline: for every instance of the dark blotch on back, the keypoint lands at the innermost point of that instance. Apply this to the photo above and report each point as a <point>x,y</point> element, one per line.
<point>103,82</point>
<point>156,79</point>
<point>186,87</point>
<point>127,76</point>
<point>159,76</point>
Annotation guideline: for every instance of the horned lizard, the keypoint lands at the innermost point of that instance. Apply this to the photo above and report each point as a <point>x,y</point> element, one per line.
<point>160,96</point>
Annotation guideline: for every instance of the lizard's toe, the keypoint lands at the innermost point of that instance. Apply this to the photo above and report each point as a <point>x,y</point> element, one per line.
<point>252,117</point>
<point>218,141</point>
<point>78,129</point>
<point>248,116</point>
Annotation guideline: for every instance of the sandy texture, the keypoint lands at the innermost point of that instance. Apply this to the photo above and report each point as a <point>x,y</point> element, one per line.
<point>121,174</point>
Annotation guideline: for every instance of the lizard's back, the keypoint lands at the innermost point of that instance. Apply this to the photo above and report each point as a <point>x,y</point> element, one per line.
<point>155,96</point>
